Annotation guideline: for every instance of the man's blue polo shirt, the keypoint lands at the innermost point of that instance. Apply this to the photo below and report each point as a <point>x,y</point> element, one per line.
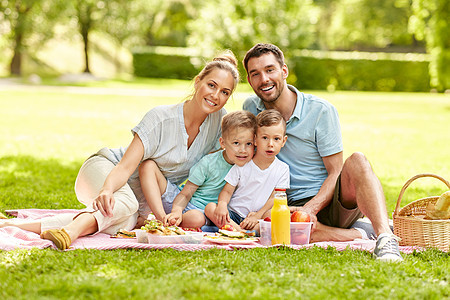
<point>313,132</point>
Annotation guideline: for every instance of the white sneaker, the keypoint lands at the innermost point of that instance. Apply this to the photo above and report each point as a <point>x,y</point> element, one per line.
<point>386,248</point>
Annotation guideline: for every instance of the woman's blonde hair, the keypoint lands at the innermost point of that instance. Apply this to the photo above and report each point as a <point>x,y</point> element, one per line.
<point>225,61</point>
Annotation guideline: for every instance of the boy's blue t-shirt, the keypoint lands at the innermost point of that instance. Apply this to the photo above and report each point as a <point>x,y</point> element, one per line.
<point>208,174</point>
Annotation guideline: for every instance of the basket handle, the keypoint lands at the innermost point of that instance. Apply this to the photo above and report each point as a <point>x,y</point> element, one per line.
<point>410,181</point>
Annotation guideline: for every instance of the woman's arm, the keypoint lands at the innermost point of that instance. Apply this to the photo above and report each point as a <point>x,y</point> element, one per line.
<point>119,176</point>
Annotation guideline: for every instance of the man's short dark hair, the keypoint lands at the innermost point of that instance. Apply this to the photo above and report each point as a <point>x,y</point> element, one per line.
<point>261,49</point>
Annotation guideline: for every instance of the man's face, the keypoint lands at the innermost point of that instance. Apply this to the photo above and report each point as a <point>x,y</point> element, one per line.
<point>266,77</point>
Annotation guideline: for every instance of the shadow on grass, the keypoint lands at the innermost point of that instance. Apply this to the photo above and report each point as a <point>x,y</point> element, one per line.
<point>29,182</point>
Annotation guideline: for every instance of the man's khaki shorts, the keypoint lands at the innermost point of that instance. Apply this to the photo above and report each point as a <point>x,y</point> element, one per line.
<point>334,215</point>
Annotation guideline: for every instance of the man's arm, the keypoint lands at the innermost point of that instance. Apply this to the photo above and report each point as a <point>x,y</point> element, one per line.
<point>333,164</point>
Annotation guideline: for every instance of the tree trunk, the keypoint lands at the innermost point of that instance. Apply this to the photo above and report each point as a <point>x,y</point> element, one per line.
<point>85,35</point>
<point>16,62</point>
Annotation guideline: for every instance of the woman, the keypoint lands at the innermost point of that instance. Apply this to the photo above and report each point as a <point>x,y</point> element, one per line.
<point>175,137</point>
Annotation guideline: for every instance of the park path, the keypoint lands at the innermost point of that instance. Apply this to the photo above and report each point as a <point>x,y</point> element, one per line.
<point>11,85</point>
<point>7,84</point>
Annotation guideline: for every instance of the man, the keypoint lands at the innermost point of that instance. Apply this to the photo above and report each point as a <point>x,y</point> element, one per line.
<point>334,193</point>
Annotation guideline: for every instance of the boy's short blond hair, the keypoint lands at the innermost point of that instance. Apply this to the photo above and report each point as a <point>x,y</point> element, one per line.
<point>270,117</point>
<point>238,119</point>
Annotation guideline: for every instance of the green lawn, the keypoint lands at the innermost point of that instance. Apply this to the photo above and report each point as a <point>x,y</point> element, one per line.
<point>45,134</point>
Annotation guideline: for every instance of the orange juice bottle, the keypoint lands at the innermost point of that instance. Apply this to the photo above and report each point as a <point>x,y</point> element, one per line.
<point>281,219</point>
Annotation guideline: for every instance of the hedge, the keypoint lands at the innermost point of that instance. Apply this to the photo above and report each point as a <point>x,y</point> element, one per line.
<point>158,62</point>
<point>314,70</point>
<point>360,71</point>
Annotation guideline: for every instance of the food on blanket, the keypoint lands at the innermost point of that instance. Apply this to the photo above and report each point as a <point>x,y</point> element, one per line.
<point>228,227</point>
<point>441,210</point>
<point>267,219</point>
<point>156,227</point>
<point>300,216</point>
<point>232,234</point>
<point>122,233</point>
<point>227,235</point>
<point>192,229</point>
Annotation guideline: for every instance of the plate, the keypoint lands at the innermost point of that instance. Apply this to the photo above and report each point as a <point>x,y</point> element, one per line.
<point>220,240</point>
<point>188,238</point>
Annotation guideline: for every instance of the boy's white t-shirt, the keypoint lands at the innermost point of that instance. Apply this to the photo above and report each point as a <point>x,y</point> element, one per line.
<point>254,186</point>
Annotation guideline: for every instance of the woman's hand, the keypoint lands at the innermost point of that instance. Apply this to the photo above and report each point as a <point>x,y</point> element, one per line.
<point>221,214</point>
<point>104,203</point>
<point>174,218</point>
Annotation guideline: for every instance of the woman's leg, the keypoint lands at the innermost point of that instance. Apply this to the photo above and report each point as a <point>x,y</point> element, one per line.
<point>153,185</point>
<point>89,181</point>
<point>33,225</point>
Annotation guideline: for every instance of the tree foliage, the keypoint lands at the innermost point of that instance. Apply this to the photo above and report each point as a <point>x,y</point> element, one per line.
<point>27,24</point>
<point>430,23</point>
<point>239,24</point>
<point>367,24</point>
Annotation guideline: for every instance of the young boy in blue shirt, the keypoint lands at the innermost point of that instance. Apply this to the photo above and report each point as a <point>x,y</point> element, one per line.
<point>206,178</point>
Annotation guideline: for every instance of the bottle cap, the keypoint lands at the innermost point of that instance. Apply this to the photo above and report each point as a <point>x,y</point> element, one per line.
<point>280,190</point>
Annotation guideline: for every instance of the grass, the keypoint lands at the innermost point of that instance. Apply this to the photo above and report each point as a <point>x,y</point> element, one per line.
<point>45,134</point>
<point>220,274</point>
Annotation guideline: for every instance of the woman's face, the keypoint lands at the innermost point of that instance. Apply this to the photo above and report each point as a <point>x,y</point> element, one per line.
<point>213,91</point>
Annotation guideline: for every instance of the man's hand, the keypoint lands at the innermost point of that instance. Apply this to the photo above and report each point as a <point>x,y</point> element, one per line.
<point>310,213</point>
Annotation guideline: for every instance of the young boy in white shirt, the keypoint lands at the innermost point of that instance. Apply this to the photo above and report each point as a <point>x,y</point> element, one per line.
<point>248,194</point>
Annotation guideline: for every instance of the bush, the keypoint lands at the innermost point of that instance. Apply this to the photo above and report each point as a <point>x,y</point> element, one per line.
<point>313,70</point>
<point>149,62</point>
<point>361,75</point>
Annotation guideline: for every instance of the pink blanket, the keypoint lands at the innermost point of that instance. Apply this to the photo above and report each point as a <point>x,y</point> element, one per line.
<point>13,238</point>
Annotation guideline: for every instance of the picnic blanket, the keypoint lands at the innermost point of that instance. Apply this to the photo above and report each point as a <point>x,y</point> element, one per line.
<point>14,238</point>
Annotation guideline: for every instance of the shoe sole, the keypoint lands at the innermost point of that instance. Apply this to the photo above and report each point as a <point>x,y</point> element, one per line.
<point>59,242</point>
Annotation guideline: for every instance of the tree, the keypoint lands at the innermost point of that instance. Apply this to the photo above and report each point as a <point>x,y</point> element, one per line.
<point>88,14</point>
<point>430,23</point>
<point>239,24</point>
<point>29,23</point>
<point>365,24</point>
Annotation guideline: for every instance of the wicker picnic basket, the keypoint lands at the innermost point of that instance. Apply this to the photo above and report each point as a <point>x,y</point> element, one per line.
<point>410,226</point>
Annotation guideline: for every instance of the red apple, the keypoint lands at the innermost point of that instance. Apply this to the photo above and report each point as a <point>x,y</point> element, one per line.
<point>228,227</point>
<point>267,219</point>
<point>300,216</point>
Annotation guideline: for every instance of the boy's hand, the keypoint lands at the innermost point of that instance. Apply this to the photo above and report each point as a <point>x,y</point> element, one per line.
<point>174,218</point>
<point>250,222</point>
<point>221,214</point>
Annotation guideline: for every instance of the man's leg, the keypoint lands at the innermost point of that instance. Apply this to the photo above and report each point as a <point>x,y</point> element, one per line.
<point>361,188</point>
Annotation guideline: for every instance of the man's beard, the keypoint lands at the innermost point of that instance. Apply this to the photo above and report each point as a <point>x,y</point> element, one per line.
<point>273,98</point>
